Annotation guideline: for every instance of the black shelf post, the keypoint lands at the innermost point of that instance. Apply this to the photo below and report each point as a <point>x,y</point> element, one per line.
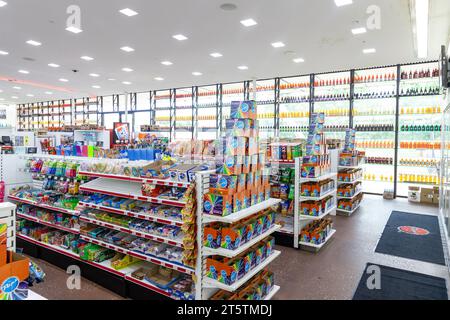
<point>397,113</point>
<point>352,96</point>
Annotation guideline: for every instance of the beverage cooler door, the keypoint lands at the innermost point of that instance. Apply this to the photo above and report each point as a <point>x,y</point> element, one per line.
<point>445,171</point>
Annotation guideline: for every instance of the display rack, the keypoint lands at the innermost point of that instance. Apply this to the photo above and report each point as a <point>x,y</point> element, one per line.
<point>353,182</point>
<point>207,287</point>
<point>119,186</point>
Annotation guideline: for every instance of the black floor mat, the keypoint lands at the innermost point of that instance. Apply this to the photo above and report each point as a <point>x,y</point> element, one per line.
<point>412,236</point>
<point>399,284</point>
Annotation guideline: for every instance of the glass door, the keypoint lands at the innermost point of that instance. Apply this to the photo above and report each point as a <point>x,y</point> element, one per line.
<point>265,101</point>
<point>374,112</point>
<point>183,116</point>
<point>207,113</point>
<point>419,152</point>
<point>444,196</point>
<point>162,113</point>
<point>294,107</point>
<point>230,92</point>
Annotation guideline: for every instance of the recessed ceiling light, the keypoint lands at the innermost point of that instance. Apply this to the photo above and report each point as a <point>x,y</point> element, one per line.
<point>127,49</point>
<point>298,60</point>
<point>30,95</point>
<point>228,6</point>
<point>63,80</point>
<point>48,92</point>
<point>96,87</point>
<point>243,68</point>
<point>248,22</point>
<point>74,29</point>
<point>159,78</point>
<point>278,44</point>
<point>95,75</point>
<point>126,82</point>
<point>17,88</point>
<point>167,63</point>
<point>53,65</point>
<point>87,58</point>
<point>128,12</point>
<point>111,79</point>
<point>341,3</point>
<point>14,97</point>
<point>34,43</point>
<point>24,71</point>
<point>3,53</point>
<point>127,69</point>
<point>3,3</point>
<point>422,8</point>
<point>2,99</point>
<point>179,37</point>
<point>216,55</point>
<point>371,50</point>
<point>196,73</point>
<point>359,30</point>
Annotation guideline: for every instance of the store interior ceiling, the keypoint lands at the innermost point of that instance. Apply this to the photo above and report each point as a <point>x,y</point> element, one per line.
<point>316,34</point>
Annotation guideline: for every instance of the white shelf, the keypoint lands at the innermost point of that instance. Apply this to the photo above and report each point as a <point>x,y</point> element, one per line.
<point>45,206</point>
<point>139,215</point>
<point>349,182</point>
<point>318,246</point>
<point>349,213</point>
<point>237,216</point>
<point>178,242</point>
<point>210,283</point>
<point>161,182</point>
<point>46,223</point>
<point>356,194</point>
<point>125,189</point>
<point>323,215</point>
<point>329,193</point>
<point>233,253</point>
<point>350,167</point>
<point>324,177</point>
<point>152,259</point>
<point>273,292</point>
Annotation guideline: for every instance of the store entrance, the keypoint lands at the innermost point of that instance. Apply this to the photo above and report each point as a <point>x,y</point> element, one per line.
<point>444,203</point>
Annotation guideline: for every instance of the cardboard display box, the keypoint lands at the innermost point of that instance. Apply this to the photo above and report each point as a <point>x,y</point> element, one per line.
<point>426,195</point>
<point>16,265</point>
<point>414,194</point>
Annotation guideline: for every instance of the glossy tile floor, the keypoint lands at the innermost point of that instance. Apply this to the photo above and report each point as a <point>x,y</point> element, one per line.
<point>332,273</point>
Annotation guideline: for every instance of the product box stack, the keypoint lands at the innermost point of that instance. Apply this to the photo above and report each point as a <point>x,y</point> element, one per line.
<point>350,157</point>
<point>241,180</point>
<point>316,161</point>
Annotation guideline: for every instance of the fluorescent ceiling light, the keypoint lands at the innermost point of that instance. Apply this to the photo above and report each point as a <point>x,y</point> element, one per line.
<point>359,30</point>
<point>368,51</point>
<point>24,71</point>
<point>179,37</point>
<point>53,65</point>
<point>74,29</point>
<point>167,63</point>
<point>34,43</point>
<point>87,58</point>
<point>30,95</point>
<point>127,69</point>
<point>111,79</point>
<point>63,80</point>
<point>3,3</point>
<point>48,92</point>
<point>128,12</point>
<point>126,82</point>
<point>95,75</point>
<point>341,3</point>
<point>421,15</point>
<point>196,73</point>
<point>216,55</point>
<point>298,60</point>
<point>14,97</point>
<point>2,99</point>
<point>159,78</point>
<point>17,88</point>
<point>96,87</point>
<point>278,44</point>
<point>127,49</point>
<point>243,68</point>
<point>248,22</point>
<point>3,53</point>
